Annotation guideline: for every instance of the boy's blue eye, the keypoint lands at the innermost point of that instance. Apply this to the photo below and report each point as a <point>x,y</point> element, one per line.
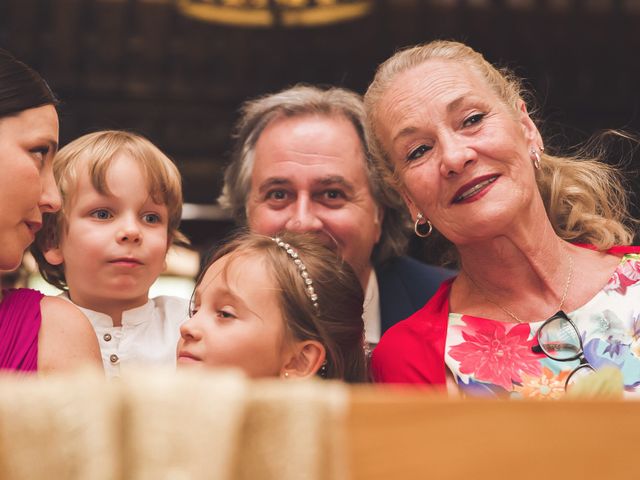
<point>151,218</point>
<point>101,214</point>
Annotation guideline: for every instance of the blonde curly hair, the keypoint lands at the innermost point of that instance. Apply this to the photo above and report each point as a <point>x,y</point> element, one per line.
<point>585,198</point>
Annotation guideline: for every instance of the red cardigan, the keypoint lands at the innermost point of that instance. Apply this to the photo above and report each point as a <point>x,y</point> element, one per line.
<point>412,351</point>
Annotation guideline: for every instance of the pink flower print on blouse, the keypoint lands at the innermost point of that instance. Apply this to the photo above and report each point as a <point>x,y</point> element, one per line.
<point>625,275</point>
<point>494,355</point>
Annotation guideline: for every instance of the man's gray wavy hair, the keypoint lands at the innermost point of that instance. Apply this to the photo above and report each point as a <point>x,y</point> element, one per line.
<point>302,100</point>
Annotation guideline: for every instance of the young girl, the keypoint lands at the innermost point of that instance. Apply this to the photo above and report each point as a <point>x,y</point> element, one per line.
<point>284,306</point>
<point>121,207</point>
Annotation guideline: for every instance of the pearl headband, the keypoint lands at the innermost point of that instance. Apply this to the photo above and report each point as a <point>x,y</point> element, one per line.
<point>302,269</point>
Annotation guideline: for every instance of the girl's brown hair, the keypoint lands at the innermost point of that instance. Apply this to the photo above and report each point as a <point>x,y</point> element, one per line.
<point>337,321</point>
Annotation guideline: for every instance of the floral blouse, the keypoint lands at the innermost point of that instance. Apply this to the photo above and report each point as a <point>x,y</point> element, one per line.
<point>487,357</point>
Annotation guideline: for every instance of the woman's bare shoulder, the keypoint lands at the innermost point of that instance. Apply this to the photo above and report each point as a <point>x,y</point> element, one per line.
<point>67,340</point>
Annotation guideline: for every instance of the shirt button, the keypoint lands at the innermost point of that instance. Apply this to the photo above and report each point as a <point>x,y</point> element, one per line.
<point>113,358</point>
<point>107,337</point>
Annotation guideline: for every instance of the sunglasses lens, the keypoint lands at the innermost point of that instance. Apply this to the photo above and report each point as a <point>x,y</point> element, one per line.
<point>559,339</point>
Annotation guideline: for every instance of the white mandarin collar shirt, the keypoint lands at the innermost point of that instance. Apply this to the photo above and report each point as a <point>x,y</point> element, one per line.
<point>148,336</point>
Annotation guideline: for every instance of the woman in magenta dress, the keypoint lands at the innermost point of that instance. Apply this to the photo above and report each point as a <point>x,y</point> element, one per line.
<point>454,135</point>
<point>37,333</point>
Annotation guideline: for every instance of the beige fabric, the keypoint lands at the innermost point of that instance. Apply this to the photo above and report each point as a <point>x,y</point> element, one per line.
<point>181,426</point>
<point>61,428</point>
<point>160,425</point>
<point>294,432</point>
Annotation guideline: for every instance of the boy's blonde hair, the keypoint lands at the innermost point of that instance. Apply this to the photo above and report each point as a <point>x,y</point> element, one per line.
<point>95,152</point>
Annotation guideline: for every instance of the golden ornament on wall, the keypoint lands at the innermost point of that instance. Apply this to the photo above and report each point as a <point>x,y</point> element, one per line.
<point>267,13</point>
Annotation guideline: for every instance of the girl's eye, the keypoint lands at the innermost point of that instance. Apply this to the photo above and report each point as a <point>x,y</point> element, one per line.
<point>194,304</point>
<point>101,214</point>
<point>418,152</point>
<point>473,119</point>
<point>151,218</point>
<point>226,314</point>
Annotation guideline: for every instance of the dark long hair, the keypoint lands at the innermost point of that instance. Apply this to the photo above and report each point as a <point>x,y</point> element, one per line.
<point>21,87</point>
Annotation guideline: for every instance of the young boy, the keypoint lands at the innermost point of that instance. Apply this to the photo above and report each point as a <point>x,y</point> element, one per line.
<point>121,207</point>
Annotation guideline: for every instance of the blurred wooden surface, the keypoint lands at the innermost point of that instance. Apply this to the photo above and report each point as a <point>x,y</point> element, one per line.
<point>221,425</point>
<point>404,434</point>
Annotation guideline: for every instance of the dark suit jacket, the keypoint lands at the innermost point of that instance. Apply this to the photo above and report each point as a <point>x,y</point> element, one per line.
<point>405,285</point>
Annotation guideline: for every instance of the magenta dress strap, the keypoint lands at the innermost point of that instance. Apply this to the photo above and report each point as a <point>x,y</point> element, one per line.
<point>20,320</point>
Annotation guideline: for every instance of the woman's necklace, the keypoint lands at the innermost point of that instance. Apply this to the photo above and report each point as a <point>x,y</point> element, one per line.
<point>509,312</point>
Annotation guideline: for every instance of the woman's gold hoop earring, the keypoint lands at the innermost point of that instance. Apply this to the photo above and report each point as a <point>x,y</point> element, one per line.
<point>535,156</point>
<point>421,222</point>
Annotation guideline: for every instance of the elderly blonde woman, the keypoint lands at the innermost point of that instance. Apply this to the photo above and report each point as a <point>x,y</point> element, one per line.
<point>545,293</point>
